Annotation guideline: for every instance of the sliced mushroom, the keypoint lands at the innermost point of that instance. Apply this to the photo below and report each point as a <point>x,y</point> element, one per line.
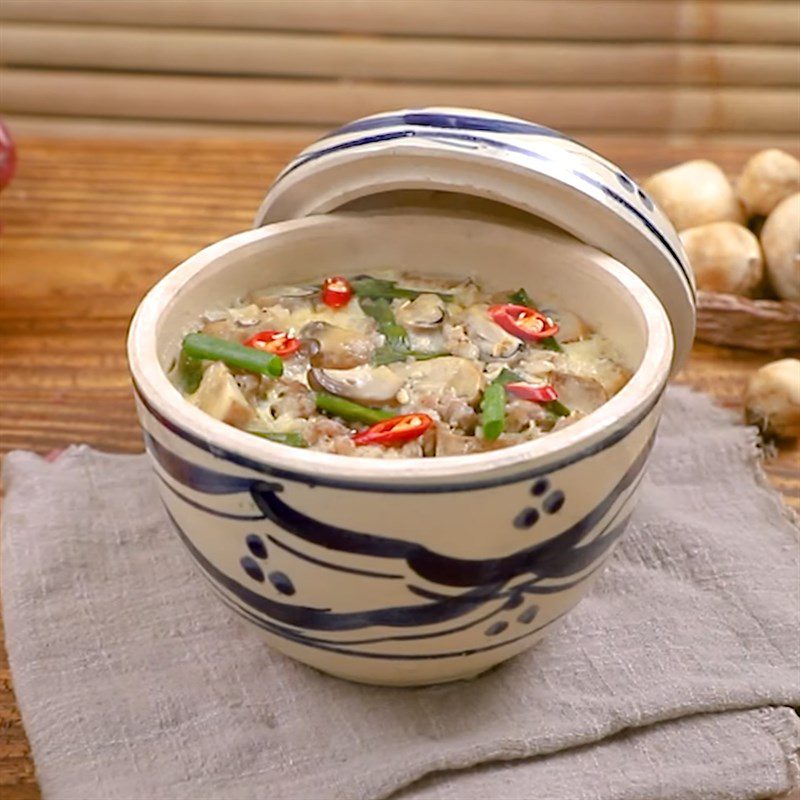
<point>571,327</point>
<point>454,444</point>
<point>365,384</point>
<point>246,316</point>
<point>332,347</point>
<point>490,338</point>
<point>460,377</point>
<point>426,312</point>
<point>220,396</point>
<point>225,329</point>
<point>578,392</point>
<point>520,414</point>
<point>276,294</point>
<point>449,443</point>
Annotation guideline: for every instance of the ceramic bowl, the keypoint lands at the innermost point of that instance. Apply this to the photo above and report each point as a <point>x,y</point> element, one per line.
<point>402,571</point>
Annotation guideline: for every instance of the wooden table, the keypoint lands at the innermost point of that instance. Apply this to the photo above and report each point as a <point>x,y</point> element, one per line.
<point>88,226</point>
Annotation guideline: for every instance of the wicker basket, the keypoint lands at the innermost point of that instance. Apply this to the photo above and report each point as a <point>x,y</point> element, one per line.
<point>735,321</point>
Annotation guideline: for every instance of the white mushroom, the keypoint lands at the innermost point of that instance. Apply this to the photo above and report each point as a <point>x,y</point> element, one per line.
<point>449,443</point>
<point>425,312</point>
<point>220,396</point>
<point>578,392</point>
<point>448,374</point>
<point>333,347</point>
<point>277,294</point>
<point>226,329</point>
<point>694,193</point>
<point>246,316</point>
<point>491,339</point>
<point>767,178</point>
<point>364,384</point>
<point>725,257</point>
<point>571,327</point>
<point>780,238</point>
<point>772,399</point>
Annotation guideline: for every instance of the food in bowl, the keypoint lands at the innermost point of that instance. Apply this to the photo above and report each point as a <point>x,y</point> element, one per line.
<point>402,570</point>
<point>396,365</point>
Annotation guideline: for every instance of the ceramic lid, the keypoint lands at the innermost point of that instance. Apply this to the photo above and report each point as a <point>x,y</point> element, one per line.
<point>500,158</point>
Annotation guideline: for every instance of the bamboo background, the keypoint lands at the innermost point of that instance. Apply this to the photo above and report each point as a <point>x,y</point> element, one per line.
<point>696,68</point>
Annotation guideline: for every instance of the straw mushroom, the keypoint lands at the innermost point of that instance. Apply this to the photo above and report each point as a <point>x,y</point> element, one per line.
<point>694,193</point>
<point>333,347</point>
<point>425,312</point>
<point>578,392</point>
<point>780,239</point>
<point>491,339</point>
<point>445,375</point>
<point>767,178</point>
<point>772,399</point>
<point>725,257</point>
<point>364,384</point>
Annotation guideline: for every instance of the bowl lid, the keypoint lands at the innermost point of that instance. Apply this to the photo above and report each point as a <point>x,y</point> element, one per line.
<point>504,159</point>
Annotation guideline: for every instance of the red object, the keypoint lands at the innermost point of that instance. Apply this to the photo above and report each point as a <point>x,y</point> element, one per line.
<point>336,291</point>
<point>278,343</point>
<point>8,156</point>
<point>523,322</point>
<point>396,430</point>
<point>538,394</point>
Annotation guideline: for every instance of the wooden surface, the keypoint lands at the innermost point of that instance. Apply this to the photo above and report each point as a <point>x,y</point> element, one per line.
<point>88,226</point>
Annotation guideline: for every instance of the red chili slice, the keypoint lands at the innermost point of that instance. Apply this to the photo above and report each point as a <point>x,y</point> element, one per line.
<point>278,343</point>
<point>336,291</point>
<point>537,394</point>
<point>523,322</point>
<point>396,430</point>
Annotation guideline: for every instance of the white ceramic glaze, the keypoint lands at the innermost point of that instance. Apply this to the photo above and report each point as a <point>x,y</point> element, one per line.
<point>465,151</point>
<point>402,571</point>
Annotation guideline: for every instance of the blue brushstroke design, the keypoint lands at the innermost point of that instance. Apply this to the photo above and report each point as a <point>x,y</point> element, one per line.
<point>432,119</point>
<point>445,135</point>
<point>552,558</point>
<point>367,573</point>
<point>297,637</point>
<point>202,506</point>
<point>192,474</point>
<point>428,487</point>
<point>556,557</point>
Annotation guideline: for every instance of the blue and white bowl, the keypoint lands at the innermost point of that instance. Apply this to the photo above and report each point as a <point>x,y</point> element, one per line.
<point>412,571</point>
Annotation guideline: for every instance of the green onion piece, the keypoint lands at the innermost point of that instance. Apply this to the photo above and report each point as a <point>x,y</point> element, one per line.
<point>381,311</point>
<point>396,346</point>
<point>557,408</point>
<point>507,376</point>
<point>211,348</point>
<point>493,411</point>
<point>521,298</point>
<point>291,438</point>
<point>350,411</point>
<point>367,286</point>
<point>378,308</point>
<point>390,355</point>
<point>189,372</point>
<point>550,343</point>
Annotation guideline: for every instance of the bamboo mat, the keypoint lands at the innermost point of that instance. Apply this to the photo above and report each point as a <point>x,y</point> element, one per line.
<point>695,67</point>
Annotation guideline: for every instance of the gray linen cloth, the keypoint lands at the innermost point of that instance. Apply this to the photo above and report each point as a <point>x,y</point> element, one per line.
<point>675,678</point>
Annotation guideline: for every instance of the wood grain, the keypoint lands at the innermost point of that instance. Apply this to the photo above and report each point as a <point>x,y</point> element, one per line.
<point>89,225</point>
<point>655,20</point>
<point>317,101</point>
<point>186,50</point>
<point>36,125</point>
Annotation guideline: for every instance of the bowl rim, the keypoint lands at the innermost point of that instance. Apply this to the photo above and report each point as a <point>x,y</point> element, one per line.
<point>601,429</point>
